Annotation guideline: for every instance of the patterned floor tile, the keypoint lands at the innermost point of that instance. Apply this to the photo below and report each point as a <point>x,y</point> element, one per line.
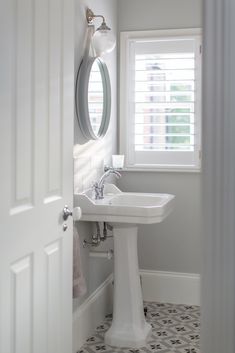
<point>175,329</point>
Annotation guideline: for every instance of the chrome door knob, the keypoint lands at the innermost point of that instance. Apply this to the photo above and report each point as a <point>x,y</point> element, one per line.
<point>66,213</point>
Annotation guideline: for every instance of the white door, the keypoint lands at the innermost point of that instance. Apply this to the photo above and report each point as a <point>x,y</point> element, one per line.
<point>36,175</point>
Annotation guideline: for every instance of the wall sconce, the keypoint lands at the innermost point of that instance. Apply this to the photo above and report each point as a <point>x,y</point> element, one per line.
<point>103,41</point>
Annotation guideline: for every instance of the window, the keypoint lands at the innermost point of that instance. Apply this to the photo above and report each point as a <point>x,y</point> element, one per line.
<point>160,96</point>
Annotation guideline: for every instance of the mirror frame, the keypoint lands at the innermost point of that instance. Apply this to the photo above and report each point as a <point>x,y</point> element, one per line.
<point>81,98</point>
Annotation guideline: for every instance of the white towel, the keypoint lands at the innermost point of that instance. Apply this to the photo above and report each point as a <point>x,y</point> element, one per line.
<point>79,284</point>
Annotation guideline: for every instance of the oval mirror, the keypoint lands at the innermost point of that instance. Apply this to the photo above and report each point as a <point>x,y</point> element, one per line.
<point>93,98</point>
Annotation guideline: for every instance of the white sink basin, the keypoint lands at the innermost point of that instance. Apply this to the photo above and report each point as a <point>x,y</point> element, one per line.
<point>124,207</point>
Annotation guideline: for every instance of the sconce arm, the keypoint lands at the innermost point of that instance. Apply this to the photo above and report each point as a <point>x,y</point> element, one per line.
<point>90,16</point>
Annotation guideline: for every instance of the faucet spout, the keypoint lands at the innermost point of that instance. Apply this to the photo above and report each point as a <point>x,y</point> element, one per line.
<point>107,174</point>
<point>99,186</point>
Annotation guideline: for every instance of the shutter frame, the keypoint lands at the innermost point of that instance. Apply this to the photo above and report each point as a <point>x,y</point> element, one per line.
<point>156,160</point>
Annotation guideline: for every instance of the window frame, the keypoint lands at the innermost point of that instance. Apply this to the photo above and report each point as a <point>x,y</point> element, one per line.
<point>124,132</point>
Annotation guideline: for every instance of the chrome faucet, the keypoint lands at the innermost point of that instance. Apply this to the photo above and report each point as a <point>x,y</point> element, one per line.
<point>99,185</point>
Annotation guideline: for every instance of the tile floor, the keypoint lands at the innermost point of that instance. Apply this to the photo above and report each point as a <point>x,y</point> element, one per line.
<point>175,329</point>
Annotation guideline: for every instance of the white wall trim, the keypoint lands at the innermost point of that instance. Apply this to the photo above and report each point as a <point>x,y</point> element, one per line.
<point>171,287</point>
<point>91,313</point>
<point>170,161</point>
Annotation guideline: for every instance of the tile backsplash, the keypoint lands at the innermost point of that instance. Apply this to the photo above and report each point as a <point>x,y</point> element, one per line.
<point>87,170</point>
<point>89,161</point>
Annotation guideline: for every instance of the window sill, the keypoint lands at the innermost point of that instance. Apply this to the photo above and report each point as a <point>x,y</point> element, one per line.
<point>161,169</point>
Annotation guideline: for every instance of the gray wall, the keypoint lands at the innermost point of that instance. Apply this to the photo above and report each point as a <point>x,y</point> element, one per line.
<point>89,158</point>
<point>173,245</point>
<point>158,14</point>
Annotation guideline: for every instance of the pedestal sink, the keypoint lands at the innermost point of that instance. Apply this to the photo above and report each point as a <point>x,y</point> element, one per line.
<point>125,210</point>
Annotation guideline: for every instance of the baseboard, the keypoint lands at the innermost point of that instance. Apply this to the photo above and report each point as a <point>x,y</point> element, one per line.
<point>91,313</point>
<point>171,287</point>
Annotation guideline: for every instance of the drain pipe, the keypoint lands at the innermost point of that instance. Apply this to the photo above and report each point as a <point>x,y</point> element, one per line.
<point>102,254</point>
<point>99,237</point>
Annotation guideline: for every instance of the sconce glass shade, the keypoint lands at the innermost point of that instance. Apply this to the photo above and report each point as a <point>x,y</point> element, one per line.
<point>103,41</point>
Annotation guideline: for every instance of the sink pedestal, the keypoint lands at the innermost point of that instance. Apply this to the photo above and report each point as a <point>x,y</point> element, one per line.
<point>129,327</point>
<point>124,210</point>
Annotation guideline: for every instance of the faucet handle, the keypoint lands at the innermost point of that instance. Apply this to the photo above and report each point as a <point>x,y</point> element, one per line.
<point>112,170</point>
<point>95,188</point>
<point>94,185</point>
<point>106,168</point>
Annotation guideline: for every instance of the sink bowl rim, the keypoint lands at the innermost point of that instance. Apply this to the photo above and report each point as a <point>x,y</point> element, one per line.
<point>103,211</point>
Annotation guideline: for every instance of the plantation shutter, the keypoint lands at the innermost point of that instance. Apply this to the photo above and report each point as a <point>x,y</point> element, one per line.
<point>163,102</point>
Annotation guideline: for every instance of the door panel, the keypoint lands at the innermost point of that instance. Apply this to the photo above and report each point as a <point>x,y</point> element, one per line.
<point>54,284</point>
<point>21,104</point>
<point>22,305</point>
<point>55,103</point>
<point>36,174</point>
